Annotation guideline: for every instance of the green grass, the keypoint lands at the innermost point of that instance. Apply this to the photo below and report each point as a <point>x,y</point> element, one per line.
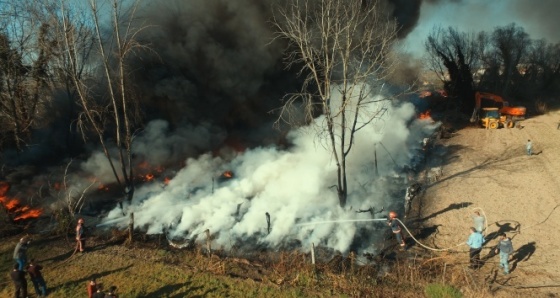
<point>139,272</point>
<point>436,290</point>
<point>152,269</point>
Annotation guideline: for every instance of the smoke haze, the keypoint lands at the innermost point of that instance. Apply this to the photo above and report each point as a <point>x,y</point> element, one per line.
<point>217,75</point>
<point>293,186</point>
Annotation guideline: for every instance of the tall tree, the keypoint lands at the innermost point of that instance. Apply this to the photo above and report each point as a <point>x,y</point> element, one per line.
<point>342,49</point>
<point>25,82</point>
<point>109,112</point>
<point>453,57</point>
<point>512,43</point>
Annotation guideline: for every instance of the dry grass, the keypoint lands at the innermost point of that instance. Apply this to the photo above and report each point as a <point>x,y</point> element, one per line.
<point>150,268</point>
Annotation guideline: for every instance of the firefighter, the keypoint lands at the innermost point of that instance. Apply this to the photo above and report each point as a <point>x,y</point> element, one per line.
<point>80,236</point>
<point>393,222</point>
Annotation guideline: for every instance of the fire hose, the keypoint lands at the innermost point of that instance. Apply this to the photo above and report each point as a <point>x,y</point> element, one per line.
<point>383,219</point>
<point>424,246</point>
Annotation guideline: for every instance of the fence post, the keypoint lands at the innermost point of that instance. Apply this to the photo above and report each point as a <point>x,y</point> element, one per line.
<point>208,247</point>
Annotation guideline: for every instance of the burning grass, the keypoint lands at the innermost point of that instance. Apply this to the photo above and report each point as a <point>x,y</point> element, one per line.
<point>14,207</point>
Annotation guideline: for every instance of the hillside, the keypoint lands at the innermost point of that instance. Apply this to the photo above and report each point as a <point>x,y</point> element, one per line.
<point>485,169</point>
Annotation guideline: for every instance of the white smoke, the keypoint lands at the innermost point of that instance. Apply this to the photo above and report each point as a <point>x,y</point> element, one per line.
<point>293,185</point>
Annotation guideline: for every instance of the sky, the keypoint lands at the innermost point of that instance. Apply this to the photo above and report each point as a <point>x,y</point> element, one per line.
<point>538,18</point>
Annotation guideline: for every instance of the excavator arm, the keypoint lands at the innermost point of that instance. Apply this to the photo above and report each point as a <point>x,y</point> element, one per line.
<point>497,102</point>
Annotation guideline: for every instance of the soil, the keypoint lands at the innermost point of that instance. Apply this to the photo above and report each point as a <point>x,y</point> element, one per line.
<point>519,195</point>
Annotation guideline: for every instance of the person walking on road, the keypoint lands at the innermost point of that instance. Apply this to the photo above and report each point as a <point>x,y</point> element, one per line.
<point>505,247</point>
<point>529,147</point>
<point>475,242</point>
<point>478,221</point>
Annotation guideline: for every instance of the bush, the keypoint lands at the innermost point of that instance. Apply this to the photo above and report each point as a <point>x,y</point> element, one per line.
<point>441,291</point>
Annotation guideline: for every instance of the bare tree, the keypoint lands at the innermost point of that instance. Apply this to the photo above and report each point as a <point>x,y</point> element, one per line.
<point>512,43</point>
<point>455,56</point>
<point>543,69</point>
<point>112,113</point>
<point>25,55</point>
<point>342,50</point>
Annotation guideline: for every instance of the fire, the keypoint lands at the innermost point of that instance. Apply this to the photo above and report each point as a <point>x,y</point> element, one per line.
<point>149,177</point>
<point>426,115</point>
<point>102,187</point>
<point>31,213</point>
<point>166,180</point>
<point>228,174</point>
<point>13,206</point>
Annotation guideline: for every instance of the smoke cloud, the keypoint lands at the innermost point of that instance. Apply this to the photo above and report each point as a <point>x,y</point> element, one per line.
<point>292,185</point>
<point>218,62</point>
<point>217,74</point>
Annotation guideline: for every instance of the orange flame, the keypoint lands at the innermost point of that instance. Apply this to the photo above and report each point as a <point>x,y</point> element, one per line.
<point>149,177</point>
<point>31,213</point>
<point>228,174</point>
<point>426,115</point>
<point>14,206</point>
<point>166,180</point>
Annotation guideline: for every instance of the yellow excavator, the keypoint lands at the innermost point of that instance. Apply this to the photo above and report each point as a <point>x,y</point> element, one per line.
<point>494,112</point>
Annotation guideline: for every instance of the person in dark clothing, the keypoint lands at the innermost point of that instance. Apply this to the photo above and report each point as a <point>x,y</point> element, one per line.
<point>396,228</point>
<point>37,279</point>
<point>18,277</point>
<point>112,292</point>
<point>20,252</point>
<point>99,292</point>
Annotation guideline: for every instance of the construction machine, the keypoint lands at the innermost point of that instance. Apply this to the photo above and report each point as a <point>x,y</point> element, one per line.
<point>494,112</point>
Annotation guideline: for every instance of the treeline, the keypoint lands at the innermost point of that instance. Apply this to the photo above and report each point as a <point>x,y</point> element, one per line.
<point>505,61</point>
<point>64,77</point>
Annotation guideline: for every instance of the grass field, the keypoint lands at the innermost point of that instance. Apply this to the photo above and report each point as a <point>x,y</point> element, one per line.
<point>141,271</point>
<point>151,268</point>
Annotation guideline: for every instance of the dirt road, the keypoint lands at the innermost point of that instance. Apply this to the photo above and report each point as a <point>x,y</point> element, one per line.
<point>520,195</point>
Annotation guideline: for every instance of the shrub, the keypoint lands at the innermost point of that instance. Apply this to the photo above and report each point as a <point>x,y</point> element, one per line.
<point>441,291</point>
<point>541,107</point>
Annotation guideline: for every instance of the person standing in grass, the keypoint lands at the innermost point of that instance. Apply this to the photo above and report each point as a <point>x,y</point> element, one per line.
<point>99,292</point>
<point>20,252</point>
<point>20,283</point>
<point>37,279</point>
<point>112,292</point>
<point>80,236</point>
<point>92,288</point>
